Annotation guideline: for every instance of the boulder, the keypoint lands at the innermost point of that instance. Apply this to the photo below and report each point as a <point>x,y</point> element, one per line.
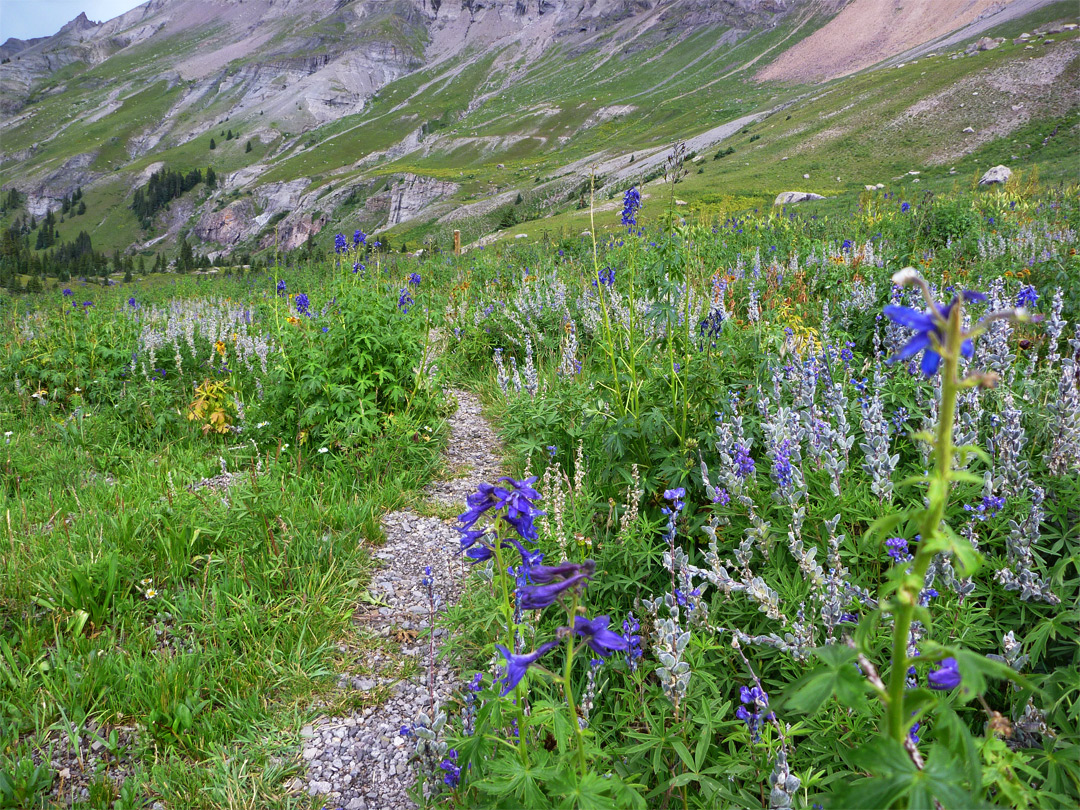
<point>788,197</point>
<point>984,44</point>
<point>998,174</point>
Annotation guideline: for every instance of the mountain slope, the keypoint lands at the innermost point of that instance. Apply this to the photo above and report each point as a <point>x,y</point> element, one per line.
<point>412,115</point>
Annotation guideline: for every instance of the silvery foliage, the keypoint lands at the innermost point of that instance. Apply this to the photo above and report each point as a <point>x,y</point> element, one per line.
<point>1008,442</point>
<point>673,672</point>
<point>784,785</point>
<point>1021,574</point>
<point>569,365</point>
<point>430,748</point>
<point>1054,328</point>
<point>500,371</point>
<point>546,293</point>
<point>839,439</point>
<point>862,297</point>
<point>783,436</point>
<point>1064,454</point>
<point>877,460</point>
<point>966,425</point>
<point>730,433</point>
<point>532,379</point>
<point>753,311</point>
<point>993,350</point>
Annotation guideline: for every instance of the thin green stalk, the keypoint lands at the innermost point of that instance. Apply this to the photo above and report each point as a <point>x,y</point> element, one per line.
<point>568,690</point>
<point>907,596</point>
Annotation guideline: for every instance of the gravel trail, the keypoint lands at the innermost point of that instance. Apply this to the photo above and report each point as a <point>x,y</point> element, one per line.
<point>361,761</point>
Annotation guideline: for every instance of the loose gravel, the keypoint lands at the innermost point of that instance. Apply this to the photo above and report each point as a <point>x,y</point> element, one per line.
<point>361,761</point>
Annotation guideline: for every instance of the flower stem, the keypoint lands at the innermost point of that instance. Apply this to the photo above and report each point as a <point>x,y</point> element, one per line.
<point>568,689</point>
<point>907,596</point>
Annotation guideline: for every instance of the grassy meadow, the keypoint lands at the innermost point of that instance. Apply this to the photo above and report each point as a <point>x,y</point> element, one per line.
<point>193,470</point>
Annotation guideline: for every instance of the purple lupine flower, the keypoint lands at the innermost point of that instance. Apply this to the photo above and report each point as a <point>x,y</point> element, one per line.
<point>538,597</point>
<point>518,665</point>
<point>744,465</point>
<point>897,548</point>
<point>927,327</point>
<point>596,634</point>
<point>946,677</point>
<point>453,772</point>
<point>754,701</point>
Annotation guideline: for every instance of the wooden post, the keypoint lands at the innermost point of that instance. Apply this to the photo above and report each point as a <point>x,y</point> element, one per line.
<point>457,243</point>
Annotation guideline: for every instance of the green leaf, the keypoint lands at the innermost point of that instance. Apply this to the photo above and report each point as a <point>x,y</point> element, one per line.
<point>838,676</point>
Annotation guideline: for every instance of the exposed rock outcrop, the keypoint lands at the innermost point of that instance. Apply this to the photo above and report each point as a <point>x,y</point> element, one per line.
<point>227,226</point>
<point>789,197</point>
<point>998,174</point>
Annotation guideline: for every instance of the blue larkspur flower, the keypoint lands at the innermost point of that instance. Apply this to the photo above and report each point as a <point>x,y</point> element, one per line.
<point>302,303</point>
<point>132,303</point>
<point>518,665</point>
<point>631,204</point>
<point>404,301</point>
<point>543,574</point>
<point>414,279</point>
<point>600,639</point>
<point>281,287</point>
<point>929,330</point>
<point>341,244</point>
<point>359,238</point>
<point>538,597</point>
<point>946,677</point>
<point>904,207</point>
<point>67,293</point>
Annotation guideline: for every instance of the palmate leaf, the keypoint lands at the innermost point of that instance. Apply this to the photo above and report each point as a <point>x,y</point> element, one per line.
<point>838,675</point>
<point>510,777</point>
<point>974,668</point>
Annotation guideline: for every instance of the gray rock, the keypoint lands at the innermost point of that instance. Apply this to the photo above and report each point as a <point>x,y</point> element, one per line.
<point>998,174</point>
<point>788,197</point>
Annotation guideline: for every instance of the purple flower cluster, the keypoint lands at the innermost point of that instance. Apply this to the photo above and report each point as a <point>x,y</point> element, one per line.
<point>341,244</point>
<point>359,238</point>
<point>744,465</point>
<point>631,204</point>
<point>414,279</point>
<point>929,328</point>
<point>946,677</point>
<point>1027,297</point>
<point>897,548</point>
<point>281,288</point>
<point>404,300</point>
<point>513,505</point>
<point>302,303</point>
<point>752,711</point>
<point>453,772</point>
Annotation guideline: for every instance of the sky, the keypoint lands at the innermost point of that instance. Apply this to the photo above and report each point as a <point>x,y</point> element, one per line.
<point>25,19</point>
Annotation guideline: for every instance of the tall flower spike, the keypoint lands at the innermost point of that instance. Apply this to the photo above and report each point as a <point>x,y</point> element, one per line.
<point>596,634</point>
<point>518,665</point>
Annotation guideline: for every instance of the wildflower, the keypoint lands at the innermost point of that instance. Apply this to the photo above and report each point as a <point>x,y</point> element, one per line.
<point>551,450</point>
<point>1027,297</point>
<point>606,276</point>
<point>538,597</point>
<point>543,574</point>
<point>477,683</point>
<point>67,293</point>
<point>631,204</point>
<point>262,425</point>
<point>302,304</point>
<point>340,243</point>
<point>517,665</point>
<point>743,463</point>
<point>281,288</point>
<point>324,450</point>
<point>596,634</point>
<point>453,772</point>
<point>517,497</point>
<point>675,496</point>
<point>87,304</point>
<point>631,630</point>
<point>905,207</point>
<point>946,677</point>
<point>358,238</point>
<point>404,301</point>
<point>897,548</point>
<point>754,701</point>
<point>150,593</point>
<point>929,328</point>
<point>145,582</point>
<point>414,279</point>
<point>131,302</point>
